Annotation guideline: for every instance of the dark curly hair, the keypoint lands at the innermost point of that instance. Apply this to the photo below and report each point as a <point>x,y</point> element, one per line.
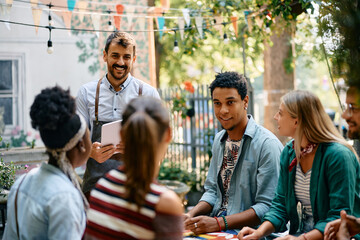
<point>53,114</point>
<point>52,108</point>
<point>230,80</point>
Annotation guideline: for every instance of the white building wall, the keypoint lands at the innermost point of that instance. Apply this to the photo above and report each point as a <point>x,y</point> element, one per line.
<point>40,69</point>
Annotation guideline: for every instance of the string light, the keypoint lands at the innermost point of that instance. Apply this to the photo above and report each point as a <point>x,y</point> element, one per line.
<point>176,44</point>
<point>226,39</point>
<point>50,48</point>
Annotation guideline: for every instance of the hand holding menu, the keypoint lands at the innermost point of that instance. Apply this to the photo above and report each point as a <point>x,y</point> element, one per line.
<point>110,133</point>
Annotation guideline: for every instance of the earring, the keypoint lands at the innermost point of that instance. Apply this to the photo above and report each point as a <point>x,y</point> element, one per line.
<point>245,108</point>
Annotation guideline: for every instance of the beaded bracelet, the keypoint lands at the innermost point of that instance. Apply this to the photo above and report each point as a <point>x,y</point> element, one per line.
<point>218,223</point>
<point>226,225</point>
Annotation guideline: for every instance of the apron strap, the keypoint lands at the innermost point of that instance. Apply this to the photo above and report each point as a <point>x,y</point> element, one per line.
<point>97,101</point>
<point>140,88</point>
<point>16,216</point>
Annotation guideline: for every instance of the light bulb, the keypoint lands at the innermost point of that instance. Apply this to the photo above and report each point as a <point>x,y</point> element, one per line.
<point>226,40</point>
<point>50,48</point>
<point>51,22</point>
<point>176,47</point>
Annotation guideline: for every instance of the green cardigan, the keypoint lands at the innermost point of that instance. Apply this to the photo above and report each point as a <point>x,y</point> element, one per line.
<point>334,185</point>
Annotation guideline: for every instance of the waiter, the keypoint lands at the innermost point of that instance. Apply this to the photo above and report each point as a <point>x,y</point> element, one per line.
<point>102,101</point>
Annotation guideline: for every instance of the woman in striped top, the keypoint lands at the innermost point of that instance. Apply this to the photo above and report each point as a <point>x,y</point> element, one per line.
<point>128,203</point>
<point>319,174</point>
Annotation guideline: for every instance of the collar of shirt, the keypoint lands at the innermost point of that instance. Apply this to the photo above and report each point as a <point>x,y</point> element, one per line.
<point>123,86</point>
<point>249,131</point>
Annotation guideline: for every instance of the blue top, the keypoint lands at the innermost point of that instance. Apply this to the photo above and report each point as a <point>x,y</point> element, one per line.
<point>111,103</point>
<point>255,177</point>
<point>49,206</point>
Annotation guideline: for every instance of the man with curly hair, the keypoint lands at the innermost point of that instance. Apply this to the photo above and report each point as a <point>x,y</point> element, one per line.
<point>244,169</point>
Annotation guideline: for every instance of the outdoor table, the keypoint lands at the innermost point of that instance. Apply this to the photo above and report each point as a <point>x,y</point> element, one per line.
<point>188,235</point>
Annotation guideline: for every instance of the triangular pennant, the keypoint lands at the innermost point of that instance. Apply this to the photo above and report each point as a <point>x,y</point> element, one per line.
<point>67,19</point>
<point>186,15</point>
<point>235,24</point>
<point>119,10</point>
<point>34,3</point>
<point>218,24</point>
<point>161,22</point>
<point>82,7</point>
<point>96,23</point>
<point>36,12</point>
<point>165,4</point>
<point>248,20</point>
<point>199,25</point>
<point>130,12</point>
<point>142,24</point>
<point>181,23</point>
<point>71,4</point>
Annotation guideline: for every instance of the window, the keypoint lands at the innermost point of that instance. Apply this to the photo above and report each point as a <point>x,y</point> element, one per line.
<point>11,91</point>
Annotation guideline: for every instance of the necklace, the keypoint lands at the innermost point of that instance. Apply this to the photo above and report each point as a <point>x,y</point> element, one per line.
<point>304,151</point>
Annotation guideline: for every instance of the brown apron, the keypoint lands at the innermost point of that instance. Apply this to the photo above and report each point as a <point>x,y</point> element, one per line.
<point>95,170</point>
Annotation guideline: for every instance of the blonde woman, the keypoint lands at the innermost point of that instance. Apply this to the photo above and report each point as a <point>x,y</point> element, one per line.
<point>319,174</point>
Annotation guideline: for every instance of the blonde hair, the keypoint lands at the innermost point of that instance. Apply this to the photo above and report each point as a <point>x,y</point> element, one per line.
<point>313,121</point>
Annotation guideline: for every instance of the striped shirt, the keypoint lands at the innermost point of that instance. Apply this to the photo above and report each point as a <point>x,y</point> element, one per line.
<point>302,189</point>
<point>113,217</point>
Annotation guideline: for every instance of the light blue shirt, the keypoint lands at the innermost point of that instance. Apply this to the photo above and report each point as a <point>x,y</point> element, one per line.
<point>254,181</point>
<point>48,205</point>
<point>111,103</point>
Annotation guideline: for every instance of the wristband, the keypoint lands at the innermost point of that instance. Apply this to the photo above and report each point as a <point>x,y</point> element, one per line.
<point>226,225</point>
<point>217,220</point>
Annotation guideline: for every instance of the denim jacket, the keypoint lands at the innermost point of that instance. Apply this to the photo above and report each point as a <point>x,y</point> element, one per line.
<point>256,172</point>
<point>48,206</point>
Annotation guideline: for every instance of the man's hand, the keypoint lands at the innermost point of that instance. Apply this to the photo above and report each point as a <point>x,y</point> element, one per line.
<point>101,154</point>
<point>248,233</point>
<point>342,228</point>
<point>201,224</point>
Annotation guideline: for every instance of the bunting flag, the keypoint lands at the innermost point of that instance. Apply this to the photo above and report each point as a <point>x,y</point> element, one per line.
<point>186,14</point>
<point>117,19</point>
<point>82,7</point>
<point>248,20</point>
<point>130,11</point>
<point>142,24</point>
<point>165,4</point>
<point>95,18</point>
<point>199,25</point>
<point>181,23</point>
<point>71,4</point>
<point>218,20</point>
<point>36,12</point>
<point>161,22</point>
<point>8,6</point>
<point>235,24</point>
<point>34,3</point>
<point>67,19</point>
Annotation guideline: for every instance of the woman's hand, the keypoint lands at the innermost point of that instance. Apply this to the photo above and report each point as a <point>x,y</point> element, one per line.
<point>248,233</point>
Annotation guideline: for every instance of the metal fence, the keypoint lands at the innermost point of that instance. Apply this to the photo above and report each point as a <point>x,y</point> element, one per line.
<point>194,128</point>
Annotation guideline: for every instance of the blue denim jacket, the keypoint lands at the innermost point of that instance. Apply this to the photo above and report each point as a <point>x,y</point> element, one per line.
<point>256,172</point>
<point>49,207</point>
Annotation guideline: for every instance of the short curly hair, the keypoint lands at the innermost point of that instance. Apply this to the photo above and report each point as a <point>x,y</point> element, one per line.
<point>52,108</point>
<point>230,80</point>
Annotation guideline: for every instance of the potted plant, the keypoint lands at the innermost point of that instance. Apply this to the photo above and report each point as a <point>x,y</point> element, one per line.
<point>171,174</point>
